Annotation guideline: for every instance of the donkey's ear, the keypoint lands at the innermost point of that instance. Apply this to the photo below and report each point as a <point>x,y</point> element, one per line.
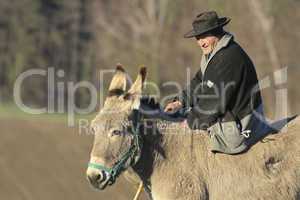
<point>135,91</point>
<point>137,86</point>
<point>118,82</point>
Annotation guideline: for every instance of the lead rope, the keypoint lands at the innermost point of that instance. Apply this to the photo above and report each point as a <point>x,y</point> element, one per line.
<point>139,191</point>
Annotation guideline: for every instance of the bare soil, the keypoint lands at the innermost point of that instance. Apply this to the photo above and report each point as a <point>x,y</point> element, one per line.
<point>47,160</point>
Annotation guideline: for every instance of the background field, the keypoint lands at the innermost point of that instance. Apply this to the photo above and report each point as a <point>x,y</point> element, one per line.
<point>43,159</point>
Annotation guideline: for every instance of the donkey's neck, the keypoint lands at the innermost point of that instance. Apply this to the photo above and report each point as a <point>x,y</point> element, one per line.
<point>161,139</point>
<point>152,149</point>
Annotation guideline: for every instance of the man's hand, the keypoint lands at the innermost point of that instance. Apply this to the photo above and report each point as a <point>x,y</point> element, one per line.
<point>173,107</point>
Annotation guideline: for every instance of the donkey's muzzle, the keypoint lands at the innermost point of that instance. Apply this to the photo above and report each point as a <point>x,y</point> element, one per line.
<point>99,179</point>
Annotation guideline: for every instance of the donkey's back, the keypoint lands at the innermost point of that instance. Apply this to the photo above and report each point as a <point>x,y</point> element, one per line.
<point>269,170</point>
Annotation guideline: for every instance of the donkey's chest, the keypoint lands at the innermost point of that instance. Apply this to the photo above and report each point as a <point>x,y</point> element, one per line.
<point>177,184</point>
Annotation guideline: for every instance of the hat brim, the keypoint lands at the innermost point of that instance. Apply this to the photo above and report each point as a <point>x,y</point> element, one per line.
<point>222,22</point>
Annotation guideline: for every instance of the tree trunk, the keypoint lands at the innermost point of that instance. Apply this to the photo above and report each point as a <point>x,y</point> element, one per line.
<point>280,75</point>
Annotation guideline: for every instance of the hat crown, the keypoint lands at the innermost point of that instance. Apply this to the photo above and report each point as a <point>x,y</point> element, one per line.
<point>205,22</point>
<point>206,19</point>
<point>207,16</point>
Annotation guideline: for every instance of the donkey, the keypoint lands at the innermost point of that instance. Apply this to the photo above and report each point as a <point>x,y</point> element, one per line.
<point>176,163</point>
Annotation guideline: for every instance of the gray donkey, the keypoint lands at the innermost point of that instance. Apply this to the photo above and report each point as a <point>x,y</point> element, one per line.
<point>176,163</point>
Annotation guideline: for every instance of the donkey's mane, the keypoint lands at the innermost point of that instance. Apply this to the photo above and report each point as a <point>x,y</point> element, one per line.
<point>149,102</point>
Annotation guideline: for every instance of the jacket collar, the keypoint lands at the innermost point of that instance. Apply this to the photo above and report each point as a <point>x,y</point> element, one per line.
<point>224,41</point>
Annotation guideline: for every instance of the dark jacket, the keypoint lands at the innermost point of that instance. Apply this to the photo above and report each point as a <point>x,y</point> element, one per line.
<point>226,90</point>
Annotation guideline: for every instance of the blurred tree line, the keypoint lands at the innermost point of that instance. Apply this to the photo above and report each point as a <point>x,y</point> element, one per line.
<point>82,37</point>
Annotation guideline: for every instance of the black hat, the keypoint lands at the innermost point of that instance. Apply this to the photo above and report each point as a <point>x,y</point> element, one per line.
<point>206,22</point>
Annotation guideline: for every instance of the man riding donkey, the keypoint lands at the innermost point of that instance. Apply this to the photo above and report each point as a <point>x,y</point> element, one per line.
<point>224,97</point>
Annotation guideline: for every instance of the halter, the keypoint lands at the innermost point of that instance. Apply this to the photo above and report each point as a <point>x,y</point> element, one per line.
<point>133,153</point>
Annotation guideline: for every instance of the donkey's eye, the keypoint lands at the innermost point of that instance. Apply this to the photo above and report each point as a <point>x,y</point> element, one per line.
<point>116,132</point>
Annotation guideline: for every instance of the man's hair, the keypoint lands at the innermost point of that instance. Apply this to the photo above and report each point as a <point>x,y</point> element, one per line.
<point>218,32</point>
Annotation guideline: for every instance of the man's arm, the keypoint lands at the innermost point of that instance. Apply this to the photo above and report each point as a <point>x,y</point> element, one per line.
<point>183,100</point>
<point>185,96</point>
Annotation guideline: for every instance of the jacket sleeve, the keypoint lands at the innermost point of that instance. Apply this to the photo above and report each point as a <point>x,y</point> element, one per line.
<point>185,96</point>
<point>213,98</point>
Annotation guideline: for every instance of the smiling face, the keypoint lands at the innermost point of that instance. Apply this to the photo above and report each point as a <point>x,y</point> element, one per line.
<point>111,127</point>
<point>207,42</point>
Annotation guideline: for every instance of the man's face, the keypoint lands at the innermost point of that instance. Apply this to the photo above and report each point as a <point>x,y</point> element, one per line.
<point>207,42</point>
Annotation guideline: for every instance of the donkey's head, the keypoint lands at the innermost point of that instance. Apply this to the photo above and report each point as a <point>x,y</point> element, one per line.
<point>115,143</point>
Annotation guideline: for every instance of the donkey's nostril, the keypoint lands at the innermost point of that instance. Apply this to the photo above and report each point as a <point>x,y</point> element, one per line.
<point>98,177</point>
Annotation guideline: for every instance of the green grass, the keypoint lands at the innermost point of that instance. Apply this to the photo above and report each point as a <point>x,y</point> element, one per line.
<point>11,111</point>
